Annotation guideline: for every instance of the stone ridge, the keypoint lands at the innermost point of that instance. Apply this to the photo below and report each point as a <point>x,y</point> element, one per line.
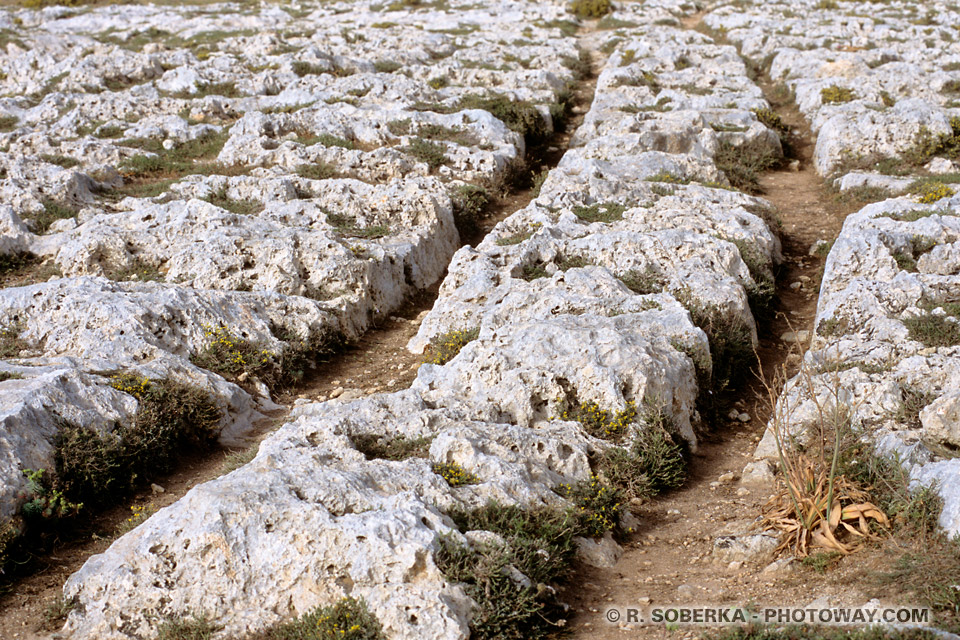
<point>311,519</point>
<point>284,175</point>
<point>879,84</point>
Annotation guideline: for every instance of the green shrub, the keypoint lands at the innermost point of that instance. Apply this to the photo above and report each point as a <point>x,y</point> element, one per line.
<point>348,619</point>
<point>590,8</point>
<point>445,347</point>
<point>539,543</point>
<point>742,165</point>
<point>307,69</point>
<point>654,461</point>
<point>232,356</point>
<point>8,123</point>
<point>930,191</point>
<point>521,117</point>
<point>469,204</point>
<point>44,501</point>
<point>96,468</point>
<point>599,505</point>
<point>835,94</point>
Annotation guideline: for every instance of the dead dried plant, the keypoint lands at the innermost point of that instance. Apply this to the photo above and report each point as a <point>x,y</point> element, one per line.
<point>815,506</point>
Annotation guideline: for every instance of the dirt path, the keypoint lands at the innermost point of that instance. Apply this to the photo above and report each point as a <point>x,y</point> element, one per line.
<point>669,560</point>
<point>378,362</point>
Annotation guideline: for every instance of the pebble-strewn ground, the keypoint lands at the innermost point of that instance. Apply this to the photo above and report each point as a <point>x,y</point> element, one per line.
<point>176,183</point>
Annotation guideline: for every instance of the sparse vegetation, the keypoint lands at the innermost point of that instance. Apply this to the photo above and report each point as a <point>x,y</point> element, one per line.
<point>469,204</point>
<point>743,164</point>
<point>835,94</point>
<point>348,226</point>
<point>643,282</point>
<point>454,474</point>
<point>348,619</point>
<point>191,627</point>
<point>598,422</point>
<point>8,123</point>
<point>654,462</point>
<point>432,153</point>
<point>445,347</point>
<point>391,447</point>
<point>590,8</point>
<point>601,212</point>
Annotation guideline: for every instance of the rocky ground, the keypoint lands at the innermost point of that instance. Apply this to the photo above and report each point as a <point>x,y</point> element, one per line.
<point>576,225</point>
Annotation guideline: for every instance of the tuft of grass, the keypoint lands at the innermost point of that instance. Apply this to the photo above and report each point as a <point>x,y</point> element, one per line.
<point>55,614</point>
<point>52,211</point>
<point>10,342</point>
<point>445,347</point>
<point>8,123</point>
<point>822,560</point>
<point>601,212</point>
<point>317,171</point>
<point>9,375</point>
<point>220,199</point>
<point>307,69</point>
<point>531,272</point>
<point>348,619</point>
<point>348,226</point>
<point>935,330</point>
<point>61,161</point>
<point>236,459</point>
<point>136,270</point>
<point>643,282</point>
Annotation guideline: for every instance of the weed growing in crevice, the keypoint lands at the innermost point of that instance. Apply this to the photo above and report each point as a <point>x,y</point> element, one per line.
<point>432,153</point>
<point>348,226</point>
<point>52,211</point>
<point>348,619</point>
<point>601,212</point>
<point>454,474</point>
<point>835,94</point>
<point>11,344</point>
<point>219,198</point>
<point>598,422</point>
<point>445,347</point>
<point>643,282</point>
<point>382,447</point>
